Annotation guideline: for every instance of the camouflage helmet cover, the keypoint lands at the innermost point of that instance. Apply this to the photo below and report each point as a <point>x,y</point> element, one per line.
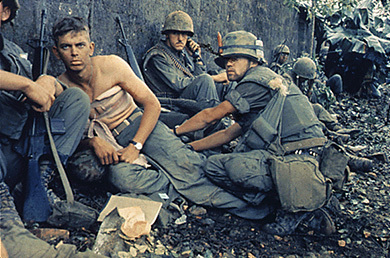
<point>13,6</point>
<point>178,21</point>
<point>282,48</point>
<point>305,67</point>
<point>241,44</point>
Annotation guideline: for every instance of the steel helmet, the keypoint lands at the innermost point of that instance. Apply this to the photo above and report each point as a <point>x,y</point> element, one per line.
<point>305,67</point>
<point>242,44</point>
<point>178,21</point>
<point>282,48</point>
<point>13,6</point>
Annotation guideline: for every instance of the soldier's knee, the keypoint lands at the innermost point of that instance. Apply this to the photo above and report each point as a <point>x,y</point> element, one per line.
<point>214,166</point>
<point>206,80</point>
<point>79,96</point>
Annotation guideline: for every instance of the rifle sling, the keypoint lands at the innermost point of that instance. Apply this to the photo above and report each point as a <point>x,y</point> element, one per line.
<point>64,179</point>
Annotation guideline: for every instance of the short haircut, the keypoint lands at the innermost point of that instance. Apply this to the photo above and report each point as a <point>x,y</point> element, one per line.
<point>68,24</point>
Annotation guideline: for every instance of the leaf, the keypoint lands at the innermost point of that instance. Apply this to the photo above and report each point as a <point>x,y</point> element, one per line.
<point>366,234</point>
<point>342,243</point>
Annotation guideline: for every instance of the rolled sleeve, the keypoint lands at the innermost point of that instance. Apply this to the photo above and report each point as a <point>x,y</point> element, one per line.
<point>238,102</point>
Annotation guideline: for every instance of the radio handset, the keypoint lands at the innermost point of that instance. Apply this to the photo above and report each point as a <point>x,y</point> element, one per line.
<point>196,53</point>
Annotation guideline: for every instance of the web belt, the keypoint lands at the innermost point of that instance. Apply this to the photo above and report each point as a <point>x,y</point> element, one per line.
<point>130,119</point>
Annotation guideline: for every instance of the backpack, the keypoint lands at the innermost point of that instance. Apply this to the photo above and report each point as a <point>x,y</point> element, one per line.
<point>300,184</point>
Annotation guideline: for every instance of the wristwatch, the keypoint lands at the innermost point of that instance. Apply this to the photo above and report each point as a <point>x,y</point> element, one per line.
<point>137,145</point>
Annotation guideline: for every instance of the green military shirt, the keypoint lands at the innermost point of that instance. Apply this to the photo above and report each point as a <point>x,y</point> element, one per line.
<point>168,72</point>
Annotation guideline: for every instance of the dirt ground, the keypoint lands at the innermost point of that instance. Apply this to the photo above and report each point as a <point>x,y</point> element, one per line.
<point>363,227</point>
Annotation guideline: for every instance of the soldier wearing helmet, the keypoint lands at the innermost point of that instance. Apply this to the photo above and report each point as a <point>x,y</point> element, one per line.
<point>246,172</point>
<point>280,57</point>
<point>174,67</point>
<point>305,76</point>
<point>319,90</point>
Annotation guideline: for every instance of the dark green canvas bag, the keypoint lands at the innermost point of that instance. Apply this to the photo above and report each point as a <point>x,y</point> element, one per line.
<point>299,182</point>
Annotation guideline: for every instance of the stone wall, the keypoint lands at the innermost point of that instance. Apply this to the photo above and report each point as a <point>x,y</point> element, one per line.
<point>142,20</point>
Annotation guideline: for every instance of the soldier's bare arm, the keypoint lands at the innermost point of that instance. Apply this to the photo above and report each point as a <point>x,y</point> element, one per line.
<point>126,78</point>
<point>41,96</point>
<point>217,139</point>
<point>206,117</point>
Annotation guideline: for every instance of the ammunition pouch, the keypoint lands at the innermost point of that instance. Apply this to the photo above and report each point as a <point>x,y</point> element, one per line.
<point>299,182</point>
<point>261,134</point>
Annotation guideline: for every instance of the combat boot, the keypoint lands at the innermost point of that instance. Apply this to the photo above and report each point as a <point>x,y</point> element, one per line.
<point>360,164</point>
<point>337,137</point>
<point>320,221</point>
<point>47,174</point>
<point>285,223</point>
<point>350,131</point>
<point>333,126</point>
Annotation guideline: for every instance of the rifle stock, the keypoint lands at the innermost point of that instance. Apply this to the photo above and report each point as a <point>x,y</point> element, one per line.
<point>129,51</point>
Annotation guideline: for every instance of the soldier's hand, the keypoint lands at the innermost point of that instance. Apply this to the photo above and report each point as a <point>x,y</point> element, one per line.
<point>129,154</point>
<point>41,97</point>
<point>50,83</point>
<point>105,151</point>
<point>193,46</point>
<point>221,77</point>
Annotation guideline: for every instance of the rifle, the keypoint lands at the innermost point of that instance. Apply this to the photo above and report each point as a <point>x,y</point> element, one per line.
<point>36,205</point>
<point>129,51</point>
<point>41,53</point>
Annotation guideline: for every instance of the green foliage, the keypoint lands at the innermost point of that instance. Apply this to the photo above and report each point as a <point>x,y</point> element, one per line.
<point>323,7</point>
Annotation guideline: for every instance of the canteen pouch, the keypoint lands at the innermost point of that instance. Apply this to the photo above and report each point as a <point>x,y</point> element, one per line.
<point>299,182</point>
<point>261,134</point>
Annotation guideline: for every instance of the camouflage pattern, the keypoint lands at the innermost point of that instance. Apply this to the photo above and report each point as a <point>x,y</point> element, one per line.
<point>319,93</point>
<point>305,67</point>
<point>86,167</point>
<point>178,21</point>
<point>324,95</point>
<point>241,43</point>
<point>282,48</point>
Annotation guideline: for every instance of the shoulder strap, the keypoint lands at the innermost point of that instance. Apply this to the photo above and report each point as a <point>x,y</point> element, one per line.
<point>267,127</point>
<point>273,114</point>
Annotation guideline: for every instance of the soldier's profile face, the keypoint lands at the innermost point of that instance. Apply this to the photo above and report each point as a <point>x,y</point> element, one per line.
<point>74,49</point>
<point>236,67</point>
<point>177,40</point>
